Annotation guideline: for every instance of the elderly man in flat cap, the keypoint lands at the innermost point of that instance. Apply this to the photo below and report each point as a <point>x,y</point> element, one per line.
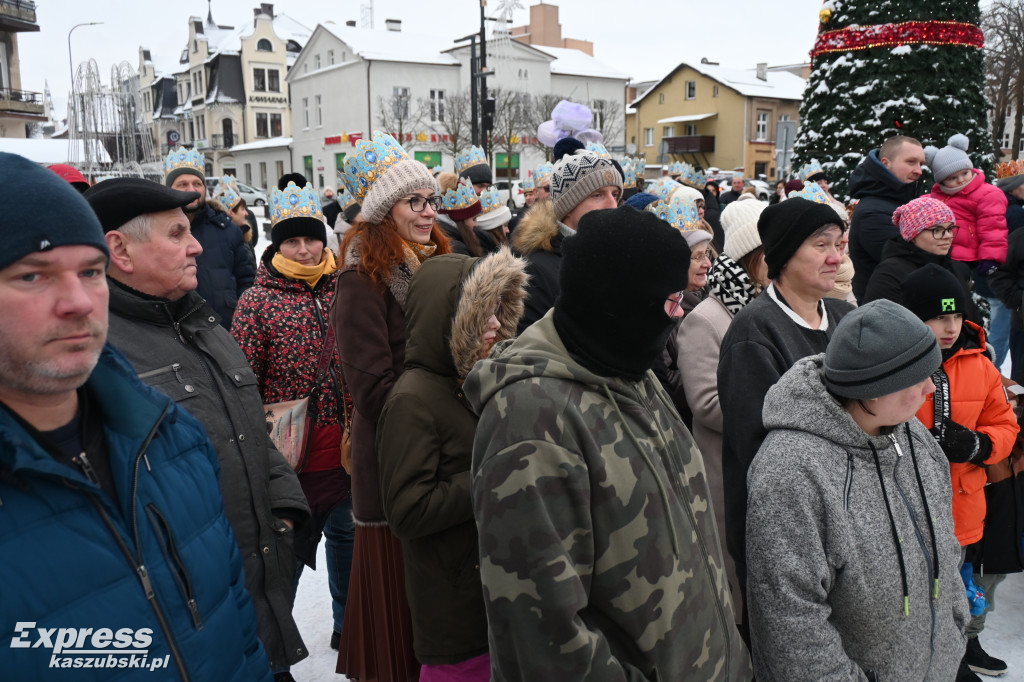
<point>172,338</point>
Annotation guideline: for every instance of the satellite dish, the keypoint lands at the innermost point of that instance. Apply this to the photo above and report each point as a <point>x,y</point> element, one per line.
<point>631,149</point>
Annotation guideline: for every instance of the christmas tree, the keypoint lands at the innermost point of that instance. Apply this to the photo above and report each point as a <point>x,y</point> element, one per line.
<point>893,67</point>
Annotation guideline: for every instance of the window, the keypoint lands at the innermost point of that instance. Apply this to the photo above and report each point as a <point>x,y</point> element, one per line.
<point>661,98</point>
<point>248,173</point>
<point>275,128</point>
<point>264,45</point>
<point>760,168</point>
<point>668,131</point>
<point>307,166</point>
<point>305,112</point>
<point>316,61</point>
<point>263,174</point>
<point>783,117</point>
<point>691,128</point>
<point>259,80</point>
<point>400,102</point>
<point>262,129</point>
<point>339,162</point>
<point>437,105</point>
<point>273,80</point>
<point>1006,140</point>
<point>715,91</point>
<point>691,89</point>
<point>330,56</point>
<point>762,126</point>
<point>319,112</point>
<point>648,137</point>
<point>280,168</point>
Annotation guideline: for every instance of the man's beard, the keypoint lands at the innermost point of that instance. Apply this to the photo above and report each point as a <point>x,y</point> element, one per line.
<point>191,213</point>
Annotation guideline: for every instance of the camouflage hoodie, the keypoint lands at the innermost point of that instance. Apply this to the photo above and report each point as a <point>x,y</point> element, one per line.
<point>599,554</point>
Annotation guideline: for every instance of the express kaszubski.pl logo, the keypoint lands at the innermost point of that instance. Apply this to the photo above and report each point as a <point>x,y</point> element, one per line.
<point>90,648</point>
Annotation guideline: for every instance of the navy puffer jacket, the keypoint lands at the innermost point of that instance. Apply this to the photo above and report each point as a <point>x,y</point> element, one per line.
<point>225,266</point>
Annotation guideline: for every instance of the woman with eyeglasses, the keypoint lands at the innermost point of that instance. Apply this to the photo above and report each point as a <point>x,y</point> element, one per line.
<point>381,253</point>
<point>927,228</point>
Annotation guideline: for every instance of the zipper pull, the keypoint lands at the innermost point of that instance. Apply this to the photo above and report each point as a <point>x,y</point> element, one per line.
<point>193,608</point>
<point>899,452</point>
<point>176,368</point>
<point>144,579</point>
<point>87,469</point>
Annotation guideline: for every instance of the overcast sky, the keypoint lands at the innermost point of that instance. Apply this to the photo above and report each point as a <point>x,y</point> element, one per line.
<point>644,39</point>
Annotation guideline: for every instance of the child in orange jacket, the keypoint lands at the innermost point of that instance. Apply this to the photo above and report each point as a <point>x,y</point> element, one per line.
<point>970,417</point>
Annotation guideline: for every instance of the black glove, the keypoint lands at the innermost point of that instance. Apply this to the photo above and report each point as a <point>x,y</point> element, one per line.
<point>960,444</point>
<point>985,268</point>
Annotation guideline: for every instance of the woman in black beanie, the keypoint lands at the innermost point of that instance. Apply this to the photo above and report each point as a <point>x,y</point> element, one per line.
<point>803,249</point>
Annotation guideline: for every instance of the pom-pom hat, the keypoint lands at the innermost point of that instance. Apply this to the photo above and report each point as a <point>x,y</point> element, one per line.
<point>949,160</point>
<point>180,161</point>
<point>461,203</point>
<point>295,212</point>
<point>380,172</point>
<point>921,214</point>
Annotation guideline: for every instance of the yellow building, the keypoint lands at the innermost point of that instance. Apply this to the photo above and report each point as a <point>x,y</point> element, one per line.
<point>712,116</point>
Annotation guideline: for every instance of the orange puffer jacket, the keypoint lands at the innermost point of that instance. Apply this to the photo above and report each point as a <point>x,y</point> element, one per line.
<point>977,401</point>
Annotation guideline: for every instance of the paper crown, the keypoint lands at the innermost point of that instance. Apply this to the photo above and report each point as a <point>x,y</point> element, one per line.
<point>460,198</point>
<point>527,184</point>
<point>294,202</point>
<point>677,168</point>
<point>371,159</point>
<point>811,192</point>
<point>599,149</point>
<point>490,200</point>
<point>628,173</point>
<point>664,189</point>
<point>641,168</point>
<point>737,175</point>
<point>227,192</point>
<point>345,198</point>
<point>436,169</point>
<point>680,212</point>
<point>810,170</point>
<point>185,158</point>
<point>545,170</point>
<point>1009,169</point>
<point>467,158</point>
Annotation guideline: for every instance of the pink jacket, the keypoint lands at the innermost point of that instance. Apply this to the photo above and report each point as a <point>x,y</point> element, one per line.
<point>980,210</point>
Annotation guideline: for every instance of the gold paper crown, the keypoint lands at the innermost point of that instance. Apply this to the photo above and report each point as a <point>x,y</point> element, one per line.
<point>294,202</point>
<point>1009,169</point>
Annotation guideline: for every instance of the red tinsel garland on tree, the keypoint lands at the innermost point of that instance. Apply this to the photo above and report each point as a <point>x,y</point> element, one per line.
<point>893,35</point>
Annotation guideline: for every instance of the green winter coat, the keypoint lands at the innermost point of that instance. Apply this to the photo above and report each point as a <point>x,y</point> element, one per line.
<point>600,557</point>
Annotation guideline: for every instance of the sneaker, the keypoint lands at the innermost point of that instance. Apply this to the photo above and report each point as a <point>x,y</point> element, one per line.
<point>981,662</point>
<point>964,672</point>
<point>335,640</point>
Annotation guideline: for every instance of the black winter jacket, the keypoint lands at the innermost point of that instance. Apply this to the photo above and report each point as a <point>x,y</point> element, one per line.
<point>226,268</point>
<point>539,239</point>
<point>880,193</point>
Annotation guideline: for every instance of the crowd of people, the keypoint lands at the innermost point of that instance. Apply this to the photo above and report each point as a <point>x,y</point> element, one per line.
<point>634,431</point>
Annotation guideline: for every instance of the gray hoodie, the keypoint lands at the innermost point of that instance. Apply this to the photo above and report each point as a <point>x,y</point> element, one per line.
<point>825,582</point>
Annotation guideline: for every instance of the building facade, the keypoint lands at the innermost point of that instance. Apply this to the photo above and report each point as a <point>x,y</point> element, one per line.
<point>19,109</point>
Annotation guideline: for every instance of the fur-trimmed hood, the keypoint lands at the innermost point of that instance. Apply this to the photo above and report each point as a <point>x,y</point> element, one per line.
<point>450,299</point>
<point>537,228</point>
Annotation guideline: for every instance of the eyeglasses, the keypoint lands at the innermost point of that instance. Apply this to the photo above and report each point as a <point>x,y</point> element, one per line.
<point>943,232</point>
<point>419,203</point>
<point>701,256</point>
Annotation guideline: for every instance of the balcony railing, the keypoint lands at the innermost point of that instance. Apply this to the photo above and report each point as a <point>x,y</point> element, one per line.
<point>224,141</point>
<point>18,15</point>
<point>691,144</point>
<point>21,102</point>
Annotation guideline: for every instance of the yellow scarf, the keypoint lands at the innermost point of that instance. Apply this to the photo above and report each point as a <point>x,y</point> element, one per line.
<point>309,274</point>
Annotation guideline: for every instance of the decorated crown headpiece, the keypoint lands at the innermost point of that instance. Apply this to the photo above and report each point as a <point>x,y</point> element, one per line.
<point>545,170</point>
<point>345,198</point>
<point>294,202</point>
<point>664,189</point>
<point>1009,169</point>
<point>810,170</point>
<point>468,158</point>
<point>737,175</point>
<point>436,169</point>
<point>811,192</point>
<point>185,158</point>
<point>599,149</point>
<point>490,200</point>
<point>641,167</point>
<point>527,184</point>
<point>628,173</point>
<point>462,197</point>
<point>680,212</point>
<point>371,159</point>
<point>227,192</point>
<point>677,168</point>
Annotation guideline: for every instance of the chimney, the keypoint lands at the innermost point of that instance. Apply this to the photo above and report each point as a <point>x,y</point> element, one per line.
<point>351,23</point>
<point>762,71</point>
<point>393,25</point>
<point>267,8</point>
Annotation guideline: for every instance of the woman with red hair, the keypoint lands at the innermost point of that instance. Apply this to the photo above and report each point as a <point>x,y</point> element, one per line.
<point>396,233</point>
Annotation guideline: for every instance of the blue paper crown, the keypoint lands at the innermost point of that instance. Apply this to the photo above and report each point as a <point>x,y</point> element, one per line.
<point>641,168</point>
<point>628,172</point>
<point>812,168</point>
<point>462,197</point>
<point>527,184</point>
<point>435,170</point>
<point>467,158</point>
<point>599,149</point>
<point>665,188</point>
<point>228,192</point>
<point>294,202</point>
<point>680,212</point>
<point>490,200</point>
<point>545,170</point>
<point>812,192</point>
<point>345,198</point>
<point>677,168</point>
<point>370,160</point>
<point>185,158</point>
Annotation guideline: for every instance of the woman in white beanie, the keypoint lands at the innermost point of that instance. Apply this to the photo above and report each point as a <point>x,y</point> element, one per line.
<point>736,277</point>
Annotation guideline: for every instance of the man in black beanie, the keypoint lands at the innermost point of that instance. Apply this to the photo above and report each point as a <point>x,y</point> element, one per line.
<point>579,449</point>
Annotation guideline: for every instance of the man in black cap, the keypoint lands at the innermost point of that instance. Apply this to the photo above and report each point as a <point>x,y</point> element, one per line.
<point>171,337</point>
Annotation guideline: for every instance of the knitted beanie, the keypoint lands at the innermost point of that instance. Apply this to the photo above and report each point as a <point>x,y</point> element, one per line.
<point>932,291</point>
<point>578,175</point>
<point>298,178</point>
<point>170,177</point>
<point>922,213</point>
<point>641,200</point>
<point>41,212</point>
<point>688,192</point>
<point>616,325</point>
<point>784,226</point>
<point>794,185</point>
<point>739,222</point>
<point>949,160</point>
<point>478,174</point>
<point>878,349</point>
<point>405,177</point>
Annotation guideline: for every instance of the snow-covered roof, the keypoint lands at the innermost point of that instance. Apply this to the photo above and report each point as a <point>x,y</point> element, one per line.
<point>164,65</point>
<point>47,151</point>
<point>687,118</point>
<point>263,144</point>
<point>228,40</point>
<point>395,46</point>
<point>777,84</point>
<point>570,62</point>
